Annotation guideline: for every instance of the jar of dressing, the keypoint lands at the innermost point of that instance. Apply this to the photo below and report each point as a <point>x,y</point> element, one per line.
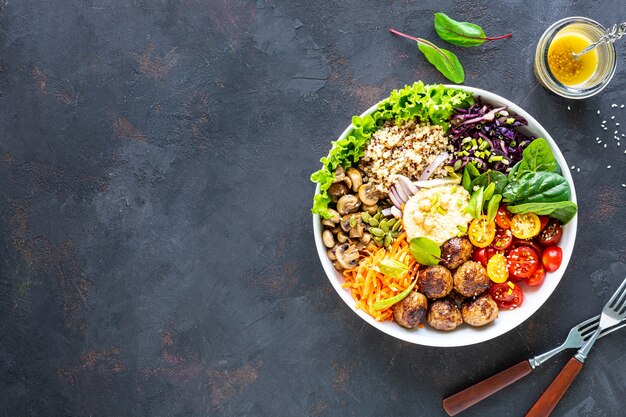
<point>558,70</point>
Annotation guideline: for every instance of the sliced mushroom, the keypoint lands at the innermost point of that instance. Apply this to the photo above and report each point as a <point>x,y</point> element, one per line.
<point>328,223</point>
<point>355,178</point>
<point>334,216</point>
<point>337,190</point>
<point>341,237</point>
<point>366,238</point>
<point>347,255</point>
<point>328,239</point>
<point>337,266</point>
<point>368,195</point>
<point>373,209</point>
<point>357,230</point>
<point>347,204</point>
<point>335,230</point>
<point>339,174</point>
<point>371,246</point>
<point>331,253</point>
<point>348,181</point>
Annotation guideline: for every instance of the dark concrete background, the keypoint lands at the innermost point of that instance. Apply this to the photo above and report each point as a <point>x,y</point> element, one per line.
<point>156,243</point>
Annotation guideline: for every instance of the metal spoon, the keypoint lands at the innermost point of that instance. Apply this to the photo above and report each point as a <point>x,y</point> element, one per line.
<point>610,36</point>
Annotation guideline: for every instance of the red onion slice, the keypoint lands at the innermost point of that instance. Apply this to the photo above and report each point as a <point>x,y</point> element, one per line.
<point>408,186</point>
<point>400,192</point>
<point>433,166</point>
<point>395,199</point>
<point>397,213</point>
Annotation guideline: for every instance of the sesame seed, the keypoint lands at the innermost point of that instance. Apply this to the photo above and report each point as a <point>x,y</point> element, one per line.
<point>617,143</point>
<point>624,185</point>
<point>599,141</point>
<point>605,128</point>
<point>612,117</point>
<point>617,124</point>
<point>608,167</point>
<point>621,107</point>
<point>605,145</point>
<point>569,108</point>
<point>615,132</point>
<point>598,111</point>
<point>577,169</point>
<point>573,167</point>
<point>613,105</point>
<point>604,121</point>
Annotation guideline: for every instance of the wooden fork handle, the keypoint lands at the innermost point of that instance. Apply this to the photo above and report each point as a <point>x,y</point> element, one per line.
<point>469,396</point>
<point>551,396</point>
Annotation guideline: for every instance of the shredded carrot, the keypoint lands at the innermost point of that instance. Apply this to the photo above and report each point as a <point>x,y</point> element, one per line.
<point>368,285</point>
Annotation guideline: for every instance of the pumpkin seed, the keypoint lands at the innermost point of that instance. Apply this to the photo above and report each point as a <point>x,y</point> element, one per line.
<point>394,234</point>
<point>396,226</point>
<point>392,222</point>
<point>378,240</point>
<point>366,216</point>
<point>384,226</point>
<point>387,241</point>
<point>458,164</point>
<point>373,222</point>
<point>377,232</point>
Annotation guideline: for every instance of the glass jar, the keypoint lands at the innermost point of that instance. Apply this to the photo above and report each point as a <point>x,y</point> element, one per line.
<point>607,58</point>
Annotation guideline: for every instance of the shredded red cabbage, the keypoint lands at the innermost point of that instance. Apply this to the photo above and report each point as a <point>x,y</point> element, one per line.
<point>487,136</point>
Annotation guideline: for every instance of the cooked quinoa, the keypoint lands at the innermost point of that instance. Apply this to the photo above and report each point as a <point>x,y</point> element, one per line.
<point>405,149</point>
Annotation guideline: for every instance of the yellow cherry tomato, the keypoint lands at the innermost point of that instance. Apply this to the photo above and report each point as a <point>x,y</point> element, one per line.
<point>525,226</point>
<point>481,232</point>
<point>497,268</point>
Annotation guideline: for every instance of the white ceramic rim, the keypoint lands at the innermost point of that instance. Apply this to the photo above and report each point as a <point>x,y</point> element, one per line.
<point>534,297</point>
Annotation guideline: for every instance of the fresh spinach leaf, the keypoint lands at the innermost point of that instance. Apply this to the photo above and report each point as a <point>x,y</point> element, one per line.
<point>563,211</point>
<point>491,177</point>
<point>475,205</point>
<point>461,33</point>
<point>489,190</point>
<point>537,157</point>
<point>537,187</point>
<point>492,206</point>
<point>458,33</point>
<point>445,61</point>
<point>425,251</point>
<point>473,171</point>
<point>392,268</point>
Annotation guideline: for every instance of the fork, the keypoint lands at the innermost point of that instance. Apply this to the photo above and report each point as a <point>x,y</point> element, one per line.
<point>577,336</point>
<point>612,313</point>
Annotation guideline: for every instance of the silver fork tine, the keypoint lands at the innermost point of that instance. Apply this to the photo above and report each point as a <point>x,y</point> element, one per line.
<point>613,302</point>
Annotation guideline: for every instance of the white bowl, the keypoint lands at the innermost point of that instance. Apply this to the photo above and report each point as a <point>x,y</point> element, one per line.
<point>534,297</point>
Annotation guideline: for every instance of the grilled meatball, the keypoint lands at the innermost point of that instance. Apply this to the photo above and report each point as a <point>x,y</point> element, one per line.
<point>455,251</point>
<point>483,310</point>
<point>444,315</point>
<point>471,279</point>
<point>435,281</point>
<point>411,311</point>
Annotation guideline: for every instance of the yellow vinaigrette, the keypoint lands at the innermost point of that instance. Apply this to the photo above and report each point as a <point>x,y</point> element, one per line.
<point>565,68</point>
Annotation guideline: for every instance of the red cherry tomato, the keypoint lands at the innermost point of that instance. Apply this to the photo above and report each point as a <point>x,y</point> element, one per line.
<point>524,242</point>
<point>503,239</point>
<point>552,258</point>
<point>544,221</point>
<point>507,295</point>
<point>537,278</point>
<point>551,234</point>
<point>483,255</point>
<point>523,262</point>
<point>503,219</point>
